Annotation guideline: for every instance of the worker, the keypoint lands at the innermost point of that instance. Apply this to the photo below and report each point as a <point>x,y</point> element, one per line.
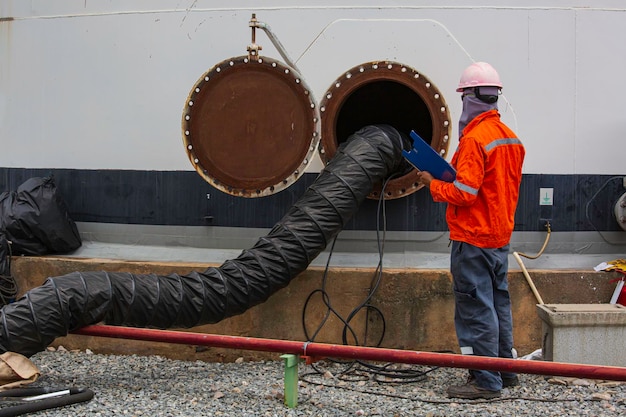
<point>480,216</point>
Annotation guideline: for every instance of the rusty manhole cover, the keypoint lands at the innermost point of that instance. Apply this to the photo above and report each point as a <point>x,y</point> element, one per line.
<point>250,127</point>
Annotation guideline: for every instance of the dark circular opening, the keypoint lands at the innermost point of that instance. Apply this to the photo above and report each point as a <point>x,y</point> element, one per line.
<point>390,93</point>
<point>384,102</point>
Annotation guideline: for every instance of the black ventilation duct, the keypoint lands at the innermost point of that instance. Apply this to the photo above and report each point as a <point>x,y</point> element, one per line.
<point>67,303</point>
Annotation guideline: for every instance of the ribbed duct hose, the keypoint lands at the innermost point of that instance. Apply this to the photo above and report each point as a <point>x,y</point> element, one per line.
<point>69,302</point>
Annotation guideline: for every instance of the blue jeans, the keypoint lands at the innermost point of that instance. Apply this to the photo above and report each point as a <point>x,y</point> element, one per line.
<point>482,317</point>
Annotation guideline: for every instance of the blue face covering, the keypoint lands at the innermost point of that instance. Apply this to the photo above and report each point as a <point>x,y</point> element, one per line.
<point>472,106</point>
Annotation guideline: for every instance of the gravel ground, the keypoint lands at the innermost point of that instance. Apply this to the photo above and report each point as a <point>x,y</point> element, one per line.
<point>155,386</point>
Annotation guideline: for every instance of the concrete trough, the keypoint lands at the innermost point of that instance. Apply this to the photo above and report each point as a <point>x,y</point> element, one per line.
<point>584,333</point>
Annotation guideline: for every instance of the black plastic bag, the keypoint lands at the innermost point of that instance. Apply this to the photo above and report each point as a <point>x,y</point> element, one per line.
<point>36,220</point>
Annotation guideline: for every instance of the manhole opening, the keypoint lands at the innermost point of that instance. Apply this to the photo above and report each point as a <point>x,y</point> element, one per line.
<point>384,102</point>
<point>390,93</point>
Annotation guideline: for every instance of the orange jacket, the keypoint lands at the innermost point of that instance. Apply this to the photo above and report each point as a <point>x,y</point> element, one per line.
<point>483,198</point>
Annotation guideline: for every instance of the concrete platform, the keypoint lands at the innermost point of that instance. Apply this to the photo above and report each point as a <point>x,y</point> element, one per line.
<point>416,304</point>
<point>353,249</point>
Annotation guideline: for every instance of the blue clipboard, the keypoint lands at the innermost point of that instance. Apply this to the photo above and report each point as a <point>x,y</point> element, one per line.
<point>425,158</point>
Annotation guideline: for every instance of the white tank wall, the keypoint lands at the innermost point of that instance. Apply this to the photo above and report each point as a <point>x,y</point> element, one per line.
<point>102,84</point>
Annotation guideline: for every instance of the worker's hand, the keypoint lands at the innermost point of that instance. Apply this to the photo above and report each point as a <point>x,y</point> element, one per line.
<point>424,177</point>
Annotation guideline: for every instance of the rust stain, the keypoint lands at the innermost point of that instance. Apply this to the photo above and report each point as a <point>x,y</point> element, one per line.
<point>5,35</point>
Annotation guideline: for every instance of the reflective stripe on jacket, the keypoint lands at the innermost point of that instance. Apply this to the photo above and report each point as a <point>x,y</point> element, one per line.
<point>483,199</point>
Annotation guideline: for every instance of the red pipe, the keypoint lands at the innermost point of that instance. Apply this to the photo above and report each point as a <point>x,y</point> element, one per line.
<point>313,349</point>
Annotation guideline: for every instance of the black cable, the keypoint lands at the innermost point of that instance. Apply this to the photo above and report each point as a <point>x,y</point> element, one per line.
<point>589,204</point>
<point>329,310</point>
<point>377,277</point>
<point>358,369</point>
<point>364,304</point>
<point>326,299</point>
<point>446,401</point>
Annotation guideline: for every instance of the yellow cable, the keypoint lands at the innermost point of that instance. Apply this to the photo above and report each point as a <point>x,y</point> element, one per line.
<point>525,272</point>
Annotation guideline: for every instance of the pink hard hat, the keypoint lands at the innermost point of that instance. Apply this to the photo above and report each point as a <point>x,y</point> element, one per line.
<point>479,74</point>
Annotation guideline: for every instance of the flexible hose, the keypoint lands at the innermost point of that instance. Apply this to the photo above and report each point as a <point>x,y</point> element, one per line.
<point>67,303</point>
<point>71,396</point>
